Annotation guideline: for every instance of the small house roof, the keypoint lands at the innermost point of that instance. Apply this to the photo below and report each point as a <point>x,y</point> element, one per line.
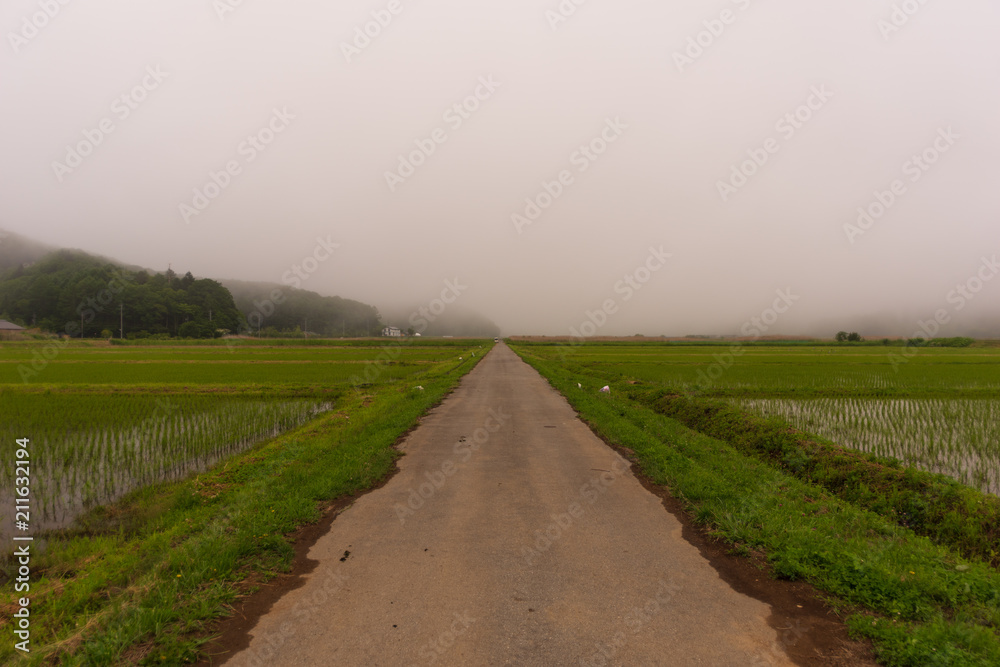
<point>9,326</point>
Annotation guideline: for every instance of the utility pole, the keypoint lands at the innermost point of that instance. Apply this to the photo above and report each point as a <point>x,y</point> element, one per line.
<point>121,324</point>
<point>305,329</point>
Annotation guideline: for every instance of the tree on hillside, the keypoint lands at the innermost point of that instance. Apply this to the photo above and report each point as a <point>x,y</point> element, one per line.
<point>72,292</point>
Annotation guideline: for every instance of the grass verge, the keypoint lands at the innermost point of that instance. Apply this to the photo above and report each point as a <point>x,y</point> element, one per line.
<point>921,603</point>
<point>138,582</point>
<point>933,505</point>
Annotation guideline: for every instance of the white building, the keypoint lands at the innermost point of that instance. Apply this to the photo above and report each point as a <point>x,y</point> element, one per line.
<point>392,332</point>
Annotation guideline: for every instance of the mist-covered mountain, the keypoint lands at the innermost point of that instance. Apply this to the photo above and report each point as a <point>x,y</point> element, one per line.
<point>71,291</point>
<point>17,250</point>
<point>283,309</point>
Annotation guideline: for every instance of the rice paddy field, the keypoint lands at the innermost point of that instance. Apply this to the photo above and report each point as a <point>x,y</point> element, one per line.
<point>862,471</point>
<point>168,480</point>
<point>957,437</point>
<point>934,408</point>
<point>104,420</point>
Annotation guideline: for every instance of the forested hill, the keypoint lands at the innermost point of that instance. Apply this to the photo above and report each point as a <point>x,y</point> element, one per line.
<point>69,291</point>
<point>277,308</point>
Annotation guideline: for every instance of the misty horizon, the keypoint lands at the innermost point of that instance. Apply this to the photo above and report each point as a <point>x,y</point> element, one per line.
<point>684,170</point>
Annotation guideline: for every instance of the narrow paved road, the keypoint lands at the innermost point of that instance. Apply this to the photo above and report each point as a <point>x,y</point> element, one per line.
<point>510,536</point>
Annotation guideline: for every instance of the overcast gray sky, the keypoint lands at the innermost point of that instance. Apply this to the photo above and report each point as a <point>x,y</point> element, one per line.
<point>668,98</point>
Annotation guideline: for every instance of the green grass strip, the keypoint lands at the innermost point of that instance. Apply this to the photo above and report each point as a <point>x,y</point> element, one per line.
<point>934,505</point>
<point>141,579</point>
<point>921,603</point>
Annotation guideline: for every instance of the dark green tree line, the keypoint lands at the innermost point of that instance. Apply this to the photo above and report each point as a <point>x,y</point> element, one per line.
<point>73,292</point>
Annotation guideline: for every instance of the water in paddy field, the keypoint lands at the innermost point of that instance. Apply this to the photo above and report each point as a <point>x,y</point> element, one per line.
<point>956,437</point>
<point>72,472</point>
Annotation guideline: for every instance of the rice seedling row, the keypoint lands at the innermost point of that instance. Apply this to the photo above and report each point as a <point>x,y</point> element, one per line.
<point>106,420</point>
<point>89,450</point>
<point>938,411</point>
<point>957,437</point>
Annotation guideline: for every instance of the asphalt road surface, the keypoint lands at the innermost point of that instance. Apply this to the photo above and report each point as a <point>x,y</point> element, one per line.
<point>511,535</point>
